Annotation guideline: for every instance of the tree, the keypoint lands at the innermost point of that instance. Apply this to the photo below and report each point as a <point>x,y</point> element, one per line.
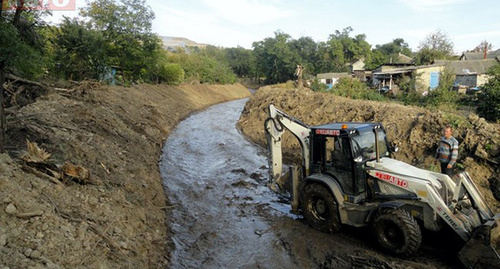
<point>241,60</point>
<point>126,26</point>
<point>80,53</point>
<point>435,46</point>
<point>489,101</point>
<point>341,50</point>
<point>21,50</point>
<point>383,53</point>
<point>275,58</point>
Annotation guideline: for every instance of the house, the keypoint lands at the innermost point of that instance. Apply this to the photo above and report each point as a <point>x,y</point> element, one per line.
<point>467,56</point>
<point>389,75</point>
<point>470,73</point>
<point>331,79</point>
<point>358,70</point>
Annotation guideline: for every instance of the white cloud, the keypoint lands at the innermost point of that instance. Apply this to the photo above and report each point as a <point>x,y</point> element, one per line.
<point>247,12</point>
<point>431,5</point>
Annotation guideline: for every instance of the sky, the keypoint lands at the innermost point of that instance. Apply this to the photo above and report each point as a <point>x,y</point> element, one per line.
<point>232,23</point>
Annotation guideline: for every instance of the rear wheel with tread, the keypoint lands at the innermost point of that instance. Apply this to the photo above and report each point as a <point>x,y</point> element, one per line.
<point>397,231</point>
<point>320,208</point>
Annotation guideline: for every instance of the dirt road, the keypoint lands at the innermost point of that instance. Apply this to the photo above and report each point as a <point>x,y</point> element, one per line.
<point>224,216</point>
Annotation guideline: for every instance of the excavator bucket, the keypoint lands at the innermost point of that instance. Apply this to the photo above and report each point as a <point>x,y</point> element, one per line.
<point>482,250</point>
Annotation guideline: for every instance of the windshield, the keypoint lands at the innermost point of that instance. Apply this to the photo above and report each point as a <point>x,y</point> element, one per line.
<point>364,145</point>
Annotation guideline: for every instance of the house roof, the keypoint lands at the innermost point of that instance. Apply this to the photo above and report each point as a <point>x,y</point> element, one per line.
<point>403,59</point>
<point>332,75</point>
<point>479,55</point>
<point>468,66</point>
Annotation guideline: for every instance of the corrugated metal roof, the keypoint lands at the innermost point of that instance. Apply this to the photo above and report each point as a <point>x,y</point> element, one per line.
<point>479,55</point>
<point>468,66</point>
<point>332,75</point>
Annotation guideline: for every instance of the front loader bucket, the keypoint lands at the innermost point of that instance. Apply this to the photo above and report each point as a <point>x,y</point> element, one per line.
<point>482,250</point>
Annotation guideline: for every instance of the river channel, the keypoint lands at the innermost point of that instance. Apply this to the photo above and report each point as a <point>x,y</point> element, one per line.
<point>225,216</point>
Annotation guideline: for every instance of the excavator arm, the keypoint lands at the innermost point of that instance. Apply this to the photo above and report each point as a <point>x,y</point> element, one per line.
<point>275,126</point>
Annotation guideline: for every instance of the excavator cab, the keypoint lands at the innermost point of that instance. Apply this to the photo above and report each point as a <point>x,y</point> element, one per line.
<point>341,151</point>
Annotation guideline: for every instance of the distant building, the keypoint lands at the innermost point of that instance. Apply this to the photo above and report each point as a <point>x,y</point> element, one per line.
<point>470,73</point>
<point>358,70</point>
<point>467,56</point>
<point>331,79</point>
<point>390,74</point>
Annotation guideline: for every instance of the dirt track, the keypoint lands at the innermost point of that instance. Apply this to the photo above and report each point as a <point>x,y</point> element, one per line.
<point>117,133</point>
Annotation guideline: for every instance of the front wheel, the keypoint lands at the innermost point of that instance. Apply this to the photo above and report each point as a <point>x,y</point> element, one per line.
<point>397,232</point>
<point>320,209</point>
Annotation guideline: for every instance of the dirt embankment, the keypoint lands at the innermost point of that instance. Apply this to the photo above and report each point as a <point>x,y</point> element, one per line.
<point>118,221</point>
<point>415,130</point>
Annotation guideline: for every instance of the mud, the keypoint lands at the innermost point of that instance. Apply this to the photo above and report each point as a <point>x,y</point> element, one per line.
<point>225,216</point>
<point>117,134</point>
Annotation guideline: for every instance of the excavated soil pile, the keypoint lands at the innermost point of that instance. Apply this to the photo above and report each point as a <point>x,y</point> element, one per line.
<point>118,218</point>
<point>414,130</point>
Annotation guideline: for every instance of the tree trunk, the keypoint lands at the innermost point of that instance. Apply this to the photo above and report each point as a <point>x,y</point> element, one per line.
<point>2,109</point>
<point>17,15</point>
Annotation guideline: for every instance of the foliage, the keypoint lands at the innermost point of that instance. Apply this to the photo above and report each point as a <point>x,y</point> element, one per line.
<point>171,73</point>
<point>443,96</point>
<point>275,58</point>
<point>317,86</point>
<point>204,68</point>
<point>355,89</point>
<point>489,100</point>
<point>80,53</point>
<point>241,61</point>
<point>383,53</point>
<point>21,51</point>
<point>435,46</point>
<point>126,28</point>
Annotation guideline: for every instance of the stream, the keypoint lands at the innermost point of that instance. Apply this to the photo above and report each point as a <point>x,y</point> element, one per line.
<point>217,180</point>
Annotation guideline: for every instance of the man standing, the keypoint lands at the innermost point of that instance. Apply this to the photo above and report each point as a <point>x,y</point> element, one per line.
<point>447,151</point>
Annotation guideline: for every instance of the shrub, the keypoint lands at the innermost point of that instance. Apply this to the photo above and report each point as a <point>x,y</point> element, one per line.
<point>317,86</point>
<point>171,73</point>
<point>489,100</point>
<point>443,96</point>
<point>355,89</point>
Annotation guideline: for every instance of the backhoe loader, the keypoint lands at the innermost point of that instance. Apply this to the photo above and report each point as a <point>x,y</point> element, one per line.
<point>348,177</point>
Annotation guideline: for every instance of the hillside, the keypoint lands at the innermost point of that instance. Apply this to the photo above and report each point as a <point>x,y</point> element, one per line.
<point>118,218</point>
<point>170,42</point>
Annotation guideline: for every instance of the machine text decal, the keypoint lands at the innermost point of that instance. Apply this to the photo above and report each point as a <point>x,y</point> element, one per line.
<point>392,179</point>
<point>327,132</point>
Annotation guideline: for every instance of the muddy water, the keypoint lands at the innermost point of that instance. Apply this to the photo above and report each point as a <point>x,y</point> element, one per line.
<point>226,217</point>
<point>214,176</point>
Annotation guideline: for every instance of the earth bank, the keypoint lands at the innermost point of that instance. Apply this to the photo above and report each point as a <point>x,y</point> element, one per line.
<point>118,220</point>
<point>414,130</point>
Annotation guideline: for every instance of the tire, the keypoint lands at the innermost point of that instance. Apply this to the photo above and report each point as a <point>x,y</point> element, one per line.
<point>397,232</point>
<point>320,209</point>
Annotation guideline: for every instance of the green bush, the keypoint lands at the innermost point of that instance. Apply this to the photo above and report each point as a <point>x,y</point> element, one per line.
<point>443,96</point>
<point>171,73</point>
<point>489,100</point>
<point>355,89</point>
<point>207,69</point>
<point>317,86</point>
